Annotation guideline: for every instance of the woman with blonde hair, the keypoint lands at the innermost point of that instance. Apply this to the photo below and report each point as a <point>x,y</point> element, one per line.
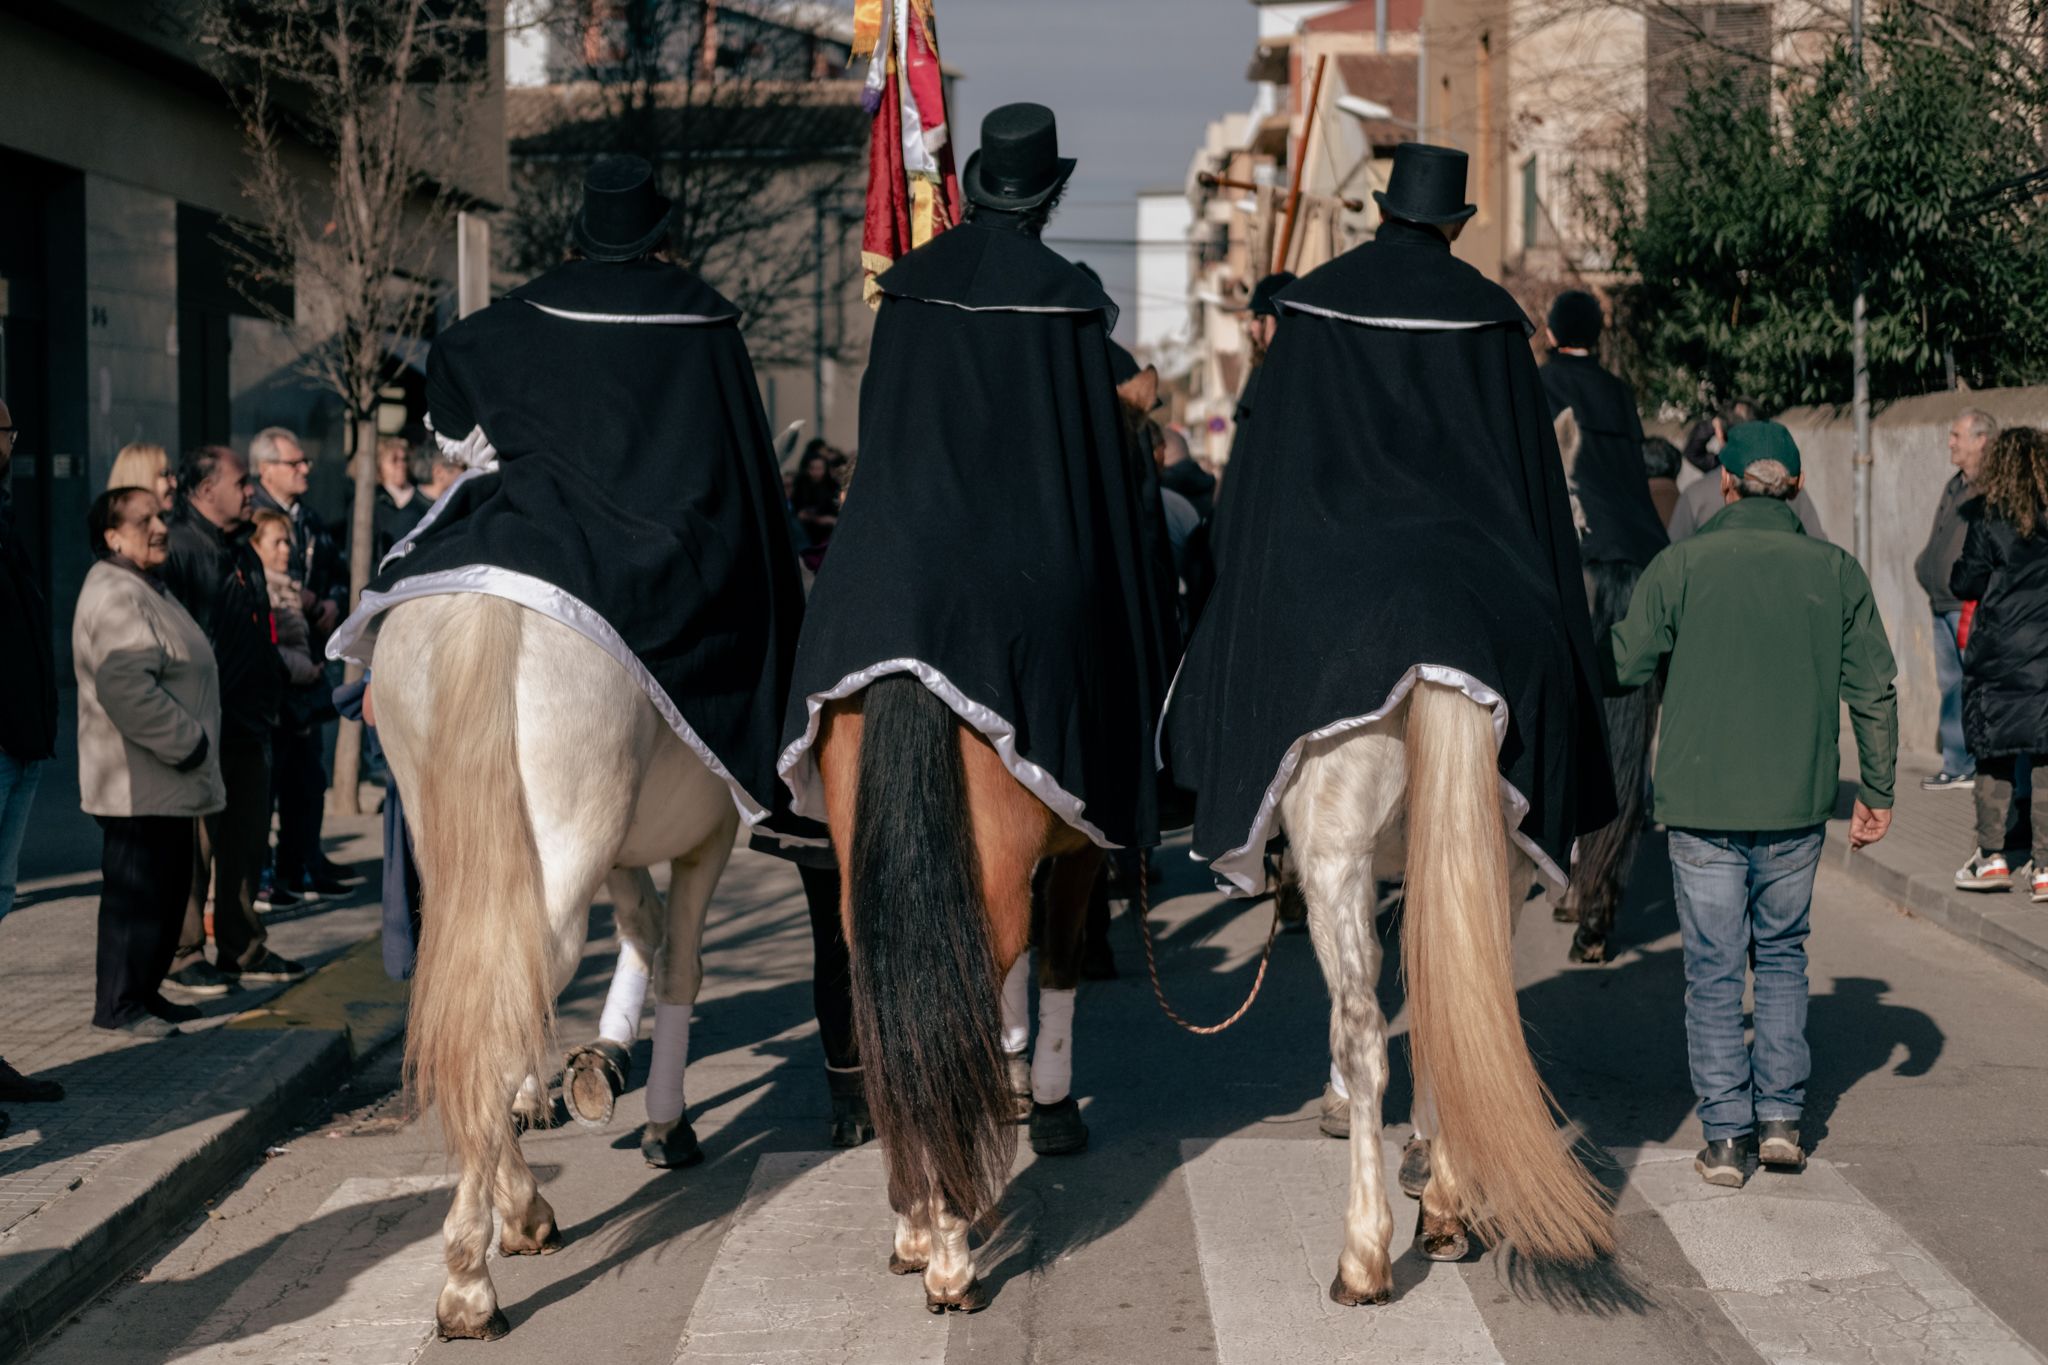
<point>145,465</point>
<point>2004,569</point>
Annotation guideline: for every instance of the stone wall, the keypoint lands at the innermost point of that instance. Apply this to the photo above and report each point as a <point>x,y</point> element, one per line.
<point>1909,450</point>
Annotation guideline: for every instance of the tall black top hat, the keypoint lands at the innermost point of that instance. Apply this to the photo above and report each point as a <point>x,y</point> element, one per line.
<point>1019,165</point>
<point>1427,185</point>
<point>623,217</point>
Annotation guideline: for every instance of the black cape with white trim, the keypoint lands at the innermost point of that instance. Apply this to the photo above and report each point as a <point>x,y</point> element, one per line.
<point>992,542</point>
<point>1403,515</point>
<point>623,483</point>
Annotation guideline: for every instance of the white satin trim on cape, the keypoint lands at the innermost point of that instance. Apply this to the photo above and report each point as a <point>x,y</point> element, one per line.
<point>1242,870</point>
<point>356,640</point>
<point>799,769</point>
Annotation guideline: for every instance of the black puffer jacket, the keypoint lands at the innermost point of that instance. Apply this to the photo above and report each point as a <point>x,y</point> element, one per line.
<point>2005,668</point>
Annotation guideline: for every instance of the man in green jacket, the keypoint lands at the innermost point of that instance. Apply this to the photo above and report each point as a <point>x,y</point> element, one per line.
<point>1768,632</point>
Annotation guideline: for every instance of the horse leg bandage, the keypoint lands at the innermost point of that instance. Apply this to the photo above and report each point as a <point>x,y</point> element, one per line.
<point>665,1071</point>
<point>1337,1081</point>
<point>620,1022</point>
<point>1017,1006</point>
<point>1052,1063</point>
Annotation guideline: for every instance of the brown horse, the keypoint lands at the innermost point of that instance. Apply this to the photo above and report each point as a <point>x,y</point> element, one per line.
<point>938,845</point>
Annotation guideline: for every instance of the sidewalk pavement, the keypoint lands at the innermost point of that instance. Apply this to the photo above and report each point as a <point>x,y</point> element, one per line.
<point>148,1131</point>
<point>1933,834</point>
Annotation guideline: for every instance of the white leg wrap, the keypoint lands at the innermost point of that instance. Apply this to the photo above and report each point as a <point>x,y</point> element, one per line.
<point>620,1022</point>
<point>1017,1005</point>
<point>1052,1063</point>
<point>1337,1081</point>
<point>671,1055</point>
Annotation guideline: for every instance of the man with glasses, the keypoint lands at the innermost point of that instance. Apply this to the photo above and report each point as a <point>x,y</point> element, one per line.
<point>283,474</point>
<point>215,575</point>
<point>28,719</point>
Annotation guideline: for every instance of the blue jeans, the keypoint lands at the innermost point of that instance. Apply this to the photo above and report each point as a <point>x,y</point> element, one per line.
<point>17,792</point>
<point>1743,900</point>
<point>1948,675</point>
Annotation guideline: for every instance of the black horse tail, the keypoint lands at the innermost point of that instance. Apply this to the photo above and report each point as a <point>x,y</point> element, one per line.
<point>926,1005</point>
<point>1606,856</point>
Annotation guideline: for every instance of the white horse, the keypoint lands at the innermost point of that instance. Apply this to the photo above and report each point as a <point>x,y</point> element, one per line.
<point>1422,782</point>
<point>533,766</point>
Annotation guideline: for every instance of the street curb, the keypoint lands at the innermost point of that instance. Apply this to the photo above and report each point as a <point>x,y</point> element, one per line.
<point>2009,927</point>
<point>60,1259</point>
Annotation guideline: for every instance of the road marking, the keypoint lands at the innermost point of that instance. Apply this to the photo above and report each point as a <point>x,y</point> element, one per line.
<point>1809,1270</point>
<point>360,1300</point>
<point>1269,1222</point>
<point>801,1277</point>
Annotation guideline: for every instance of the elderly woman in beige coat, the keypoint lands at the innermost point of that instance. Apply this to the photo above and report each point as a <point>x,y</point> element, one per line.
<point>148,721</point>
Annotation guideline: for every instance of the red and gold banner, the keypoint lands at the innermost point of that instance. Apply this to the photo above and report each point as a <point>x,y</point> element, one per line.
<point>913,191</point>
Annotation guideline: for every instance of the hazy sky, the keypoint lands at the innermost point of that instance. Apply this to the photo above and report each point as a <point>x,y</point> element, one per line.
<point>1135,84</point>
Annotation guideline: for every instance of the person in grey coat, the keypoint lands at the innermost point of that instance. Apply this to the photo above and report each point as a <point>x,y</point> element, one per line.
<point>1968,438</point>
<point>148,755</point>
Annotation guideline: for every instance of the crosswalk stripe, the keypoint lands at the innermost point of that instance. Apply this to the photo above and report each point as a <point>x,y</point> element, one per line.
<point>374,1304</point>
<point>799,1278</point>
<point>1269,1222</point>
<point>1809,1270</point>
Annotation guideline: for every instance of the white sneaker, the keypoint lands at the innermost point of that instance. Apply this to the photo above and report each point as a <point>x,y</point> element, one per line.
<point>2037,878</point>
<point>1985,872</point>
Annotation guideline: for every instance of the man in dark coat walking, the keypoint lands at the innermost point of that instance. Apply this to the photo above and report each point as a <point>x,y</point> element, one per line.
<point>1404,506</point>
<point>1620,534</point>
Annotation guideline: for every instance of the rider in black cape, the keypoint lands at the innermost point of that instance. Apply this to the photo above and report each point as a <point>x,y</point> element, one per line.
<point>996,541</point>
<point>1403,511</point>
<point>621,481</point>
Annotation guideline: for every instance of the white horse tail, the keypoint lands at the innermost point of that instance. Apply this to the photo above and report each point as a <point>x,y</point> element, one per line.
<point>482,1012</point>
<point>1509,1169</point>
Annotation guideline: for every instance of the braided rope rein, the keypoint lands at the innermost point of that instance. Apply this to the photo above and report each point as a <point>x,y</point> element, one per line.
<point>1144,903</point>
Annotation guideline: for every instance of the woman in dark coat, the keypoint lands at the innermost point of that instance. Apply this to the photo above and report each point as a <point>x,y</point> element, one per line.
<point>2004,569</point>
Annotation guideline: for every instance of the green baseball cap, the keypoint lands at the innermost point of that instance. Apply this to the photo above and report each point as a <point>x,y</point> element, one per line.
<point>1753,441</point>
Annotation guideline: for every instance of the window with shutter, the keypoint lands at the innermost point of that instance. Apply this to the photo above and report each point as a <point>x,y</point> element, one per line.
<point>1688,47</point>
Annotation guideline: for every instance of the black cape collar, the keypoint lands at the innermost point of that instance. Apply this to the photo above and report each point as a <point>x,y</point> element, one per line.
<point>985,269</point>
<point>643,291</point>
<point>1405,278</point>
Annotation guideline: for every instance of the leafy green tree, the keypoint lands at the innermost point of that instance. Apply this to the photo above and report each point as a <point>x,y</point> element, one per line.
<point>1744,223</point>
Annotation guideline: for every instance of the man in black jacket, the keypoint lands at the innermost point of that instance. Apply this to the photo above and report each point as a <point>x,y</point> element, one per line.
<point>28,720</point>
<point>214,573</point>
<point>1969,436</point>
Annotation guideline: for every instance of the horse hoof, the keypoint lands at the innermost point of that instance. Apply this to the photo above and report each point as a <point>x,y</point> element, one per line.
<point>851,1132</point>
<point>1057,1130</point>
<point>673,1151</point>
<point>1342,1293</point>
<point>1414,1176</point>
<point>1591,951</point>
<point>1564,914</point>
<point>490,1329</point>
<point>972,1299</point>
<point>1441,1238</point>
<point>546,1246</point>
<point>594,1078</point>
<point>899,1266</point>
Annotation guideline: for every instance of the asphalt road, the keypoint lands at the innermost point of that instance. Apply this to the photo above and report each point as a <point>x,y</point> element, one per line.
<point>1201,1225</point>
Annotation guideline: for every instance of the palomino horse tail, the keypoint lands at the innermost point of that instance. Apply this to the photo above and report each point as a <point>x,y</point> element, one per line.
<point>481,1008</point>
<point>1510,1171</point>
<point>926,1007</point>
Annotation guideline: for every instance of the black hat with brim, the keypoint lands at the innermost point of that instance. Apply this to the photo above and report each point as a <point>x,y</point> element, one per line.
<point>1427,185</point>
<point>1019,165</point>
<point>623,217</point>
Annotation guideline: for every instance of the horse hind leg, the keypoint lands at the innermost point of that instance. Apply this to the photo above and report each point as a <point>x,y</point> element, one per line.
<point>527,1220</point>
<point>668,1142</point>
<point>1056,1126</point>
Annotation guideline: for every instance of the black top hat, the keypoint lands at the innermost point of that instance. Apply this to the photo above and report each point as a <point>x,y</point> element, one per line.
<point>623,216</point>
<point>1427,185</point>
<point>1019,165</point>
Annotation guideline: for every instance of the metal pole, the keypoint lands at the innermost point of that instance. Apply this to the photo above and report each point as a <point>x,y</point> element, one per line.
<point>818,314</point>
<point>1421,81</point>
<point>1379,25</point>
<point>1859,347</point>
